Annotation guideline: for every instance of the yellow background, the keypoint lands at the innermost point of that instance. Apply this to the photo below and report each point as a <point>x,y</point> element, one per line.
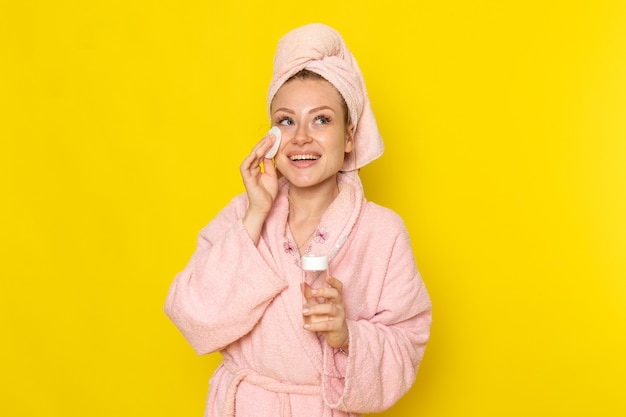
<point>122,127</point>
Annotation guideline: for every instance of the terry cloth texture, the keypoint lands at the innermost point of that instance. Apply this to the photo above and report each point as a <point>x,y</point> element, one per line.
<point>321,49</point>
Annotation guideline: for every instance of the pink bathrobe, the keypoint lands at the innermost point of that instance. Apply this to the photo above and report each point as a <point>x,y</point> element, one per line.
<point>245,301</point>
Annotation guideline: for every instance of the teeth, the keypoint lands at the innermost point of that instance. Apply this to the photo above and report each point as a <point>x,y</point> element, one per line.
<point>304,157</point>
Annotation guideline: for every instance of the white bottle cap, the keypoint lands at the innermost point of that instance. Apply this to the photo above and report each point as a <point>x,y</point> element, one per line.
<point>314,263</point>
<point>276,132</point>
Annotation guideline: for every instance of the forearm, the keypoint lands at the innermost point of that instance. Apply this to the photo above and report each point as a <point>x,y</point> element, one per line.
<point>253,223</point>
<point>219,295</point>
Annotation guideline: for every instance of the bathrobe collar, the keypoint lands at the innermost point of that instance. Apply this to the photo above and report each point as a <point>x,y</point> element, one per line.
<point>281,251</point>
<point>336,223</point>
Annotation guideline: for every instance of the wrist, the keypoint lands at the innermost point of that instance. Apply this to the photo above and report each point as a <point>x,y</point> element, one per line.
<point>256,213</point>
<point>345,346</point>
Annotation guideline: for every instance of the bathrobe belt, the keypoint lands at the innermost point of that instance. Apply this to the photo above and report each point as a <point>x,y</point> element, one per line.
<point>270,384</point>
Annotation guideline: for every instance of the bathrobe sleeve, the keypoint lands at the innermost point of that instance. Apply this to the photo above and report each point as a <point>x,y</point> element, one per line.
<point>387,347</point>
<point>226,286</point>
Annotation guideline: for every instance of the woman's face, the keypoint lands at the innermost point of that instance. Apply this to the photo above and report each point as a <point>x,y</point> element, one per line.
<point>315,139</point>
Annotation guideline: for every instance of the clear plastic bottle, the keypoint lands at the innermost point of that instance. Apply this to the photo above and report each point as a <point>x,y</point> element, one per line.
<point>312,266</point>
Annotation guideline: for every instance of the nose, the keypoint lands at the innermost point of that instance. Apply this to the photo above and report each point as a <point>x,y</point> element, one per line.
<point>301,135</point>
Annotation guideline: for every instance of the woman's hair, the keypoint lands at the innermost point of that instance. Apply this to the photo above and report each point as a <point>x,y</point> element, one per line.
<point>306,74</point>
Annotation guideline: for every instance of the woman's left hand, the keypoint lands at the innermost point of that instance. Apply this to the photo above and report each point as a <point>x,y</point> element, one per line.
<point>324,312</point>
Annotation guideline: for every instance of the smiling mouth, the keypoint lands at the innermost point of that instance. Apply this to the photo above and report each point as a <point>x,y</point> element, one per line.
<point>304,157</point>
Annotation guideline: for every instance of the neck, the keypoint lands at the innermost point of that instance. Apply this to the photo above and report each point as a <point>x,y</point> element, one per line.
<point>310,203</point>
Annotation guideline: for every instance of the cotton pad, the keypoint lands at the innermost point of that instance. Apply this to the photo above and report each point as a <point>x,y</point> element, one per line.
<point>276,132</point>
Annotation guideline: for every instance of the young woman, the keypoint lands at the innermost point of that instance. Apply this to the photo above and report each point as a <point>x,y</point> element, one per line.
<point>340,342</point>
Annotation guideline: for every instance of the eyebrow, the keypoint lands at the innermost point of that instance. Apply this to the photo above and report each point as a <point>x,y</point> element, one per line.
<point>321,108</point>
<point>286,110</point>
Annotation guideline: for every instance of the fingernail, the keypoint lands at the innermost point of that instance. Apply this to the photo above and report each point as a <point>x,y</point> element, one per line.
<point>314,292</point>
<point>306,310</point>
<point>306,326</point>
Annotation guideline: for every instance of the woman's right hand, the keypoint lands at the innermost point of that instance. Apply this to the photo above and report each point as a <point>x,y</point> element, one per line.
<point>261,186</point>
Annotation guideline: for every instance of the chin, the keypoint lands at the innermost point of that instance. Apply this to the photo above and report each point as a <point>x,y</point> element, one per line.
<point>312,182</point>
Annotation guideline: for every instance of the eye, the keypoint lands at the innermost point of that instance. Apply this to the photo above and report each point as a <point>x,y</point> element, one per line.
<point>322,120</point>
<point>285,121</point>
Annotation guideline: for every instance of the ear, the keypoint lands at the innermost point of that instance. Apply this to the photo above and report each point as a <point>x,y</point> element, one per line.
<point>349,147</point>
